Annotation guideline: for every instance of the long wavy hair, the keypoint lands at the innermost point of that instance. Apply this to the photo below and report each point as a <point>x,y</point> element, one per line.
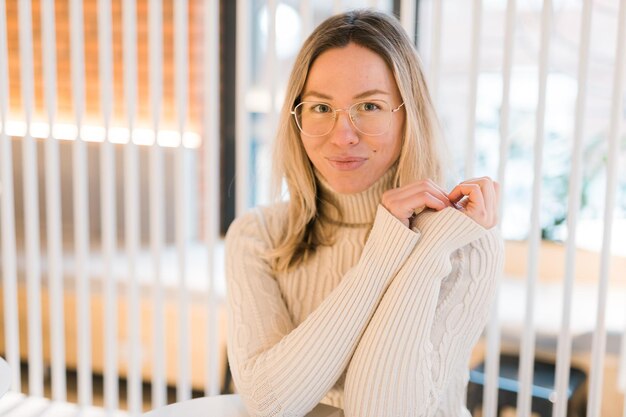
<point>419,157</point>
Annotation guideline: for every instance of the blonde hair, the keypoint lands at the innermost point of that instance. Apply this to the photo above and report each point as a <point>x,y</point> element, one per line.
<point>419,156</point>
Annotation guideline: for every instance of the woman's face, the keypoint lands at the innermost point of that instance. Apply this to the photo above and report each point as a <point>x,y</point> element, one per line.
<point>351,161</point>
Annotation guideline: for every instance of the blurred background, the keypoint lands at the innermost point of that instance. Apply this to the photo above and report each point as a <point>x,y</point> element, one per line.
<point>133,132</point>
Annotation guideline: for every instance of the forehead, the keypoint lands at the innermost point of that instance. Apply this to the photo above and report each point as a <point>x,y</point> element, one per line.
<point>348,71</point>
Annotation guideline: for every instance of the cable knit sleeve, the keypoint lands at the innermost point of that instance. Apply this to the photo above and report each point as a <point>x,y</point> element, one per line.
<point>462,312</point>
<point>412,358</point>
<point>283,370</point>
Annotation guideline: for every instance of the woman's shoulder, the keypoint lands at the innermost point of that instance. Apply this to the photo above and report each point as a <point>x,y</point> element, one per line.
<point>261,222</point>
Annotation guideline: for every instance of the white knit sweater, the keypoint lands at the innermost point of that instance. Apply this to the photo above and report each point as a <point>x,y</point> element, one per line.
<point>381,323</point>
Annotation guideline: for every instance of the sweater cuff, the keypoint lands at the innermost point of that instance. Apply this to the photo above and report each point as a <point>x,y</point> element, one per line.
<point>388,233</point>
<point>449,228</point>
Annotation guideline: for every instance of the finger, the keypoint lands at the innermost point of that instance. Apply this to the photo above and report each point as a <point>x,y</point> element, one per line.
<point>487,186</point>
<point>418,187</point>
<point>427,200</point>
<point>472,191</point>
<point>481,203</point>
<point>415,203</point>
<point>490,195</point>
<point>404,208</point>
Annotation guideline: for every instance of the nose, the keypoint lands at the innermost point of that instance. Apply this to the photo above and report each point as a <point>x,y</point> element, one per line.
<point>343,132</point>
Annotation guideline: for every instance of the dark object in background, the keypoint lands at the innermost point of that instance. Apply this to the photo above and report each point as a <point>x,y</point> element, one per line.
<point>542,388</point>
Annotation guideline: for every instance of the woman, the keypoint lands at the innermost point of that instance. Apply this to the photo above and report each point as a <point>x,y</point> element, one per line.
<point>369,287</point>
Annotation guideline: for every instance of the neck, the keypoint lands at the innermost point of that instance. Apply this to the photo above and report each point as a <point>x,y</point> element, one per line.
<point>356,209</point>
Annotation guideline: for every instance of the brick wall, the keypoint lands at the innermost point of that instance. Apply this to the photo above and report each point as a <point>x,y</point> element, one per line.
<point>92,85</point>
<point>65,106</point>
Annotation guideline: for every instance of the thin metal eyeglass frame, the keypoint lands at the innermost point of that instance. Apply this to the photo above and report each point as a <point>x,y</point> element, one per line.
<point>295,116</point>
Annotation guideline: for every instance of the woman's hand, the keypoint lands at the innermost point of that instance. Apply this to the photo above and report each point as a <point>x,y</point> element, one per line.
<point>478,198</point>
<point>406,202</point>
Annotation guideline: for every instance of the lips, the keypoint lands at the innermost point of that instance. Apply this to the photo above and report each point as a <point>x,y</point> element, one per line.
<point>346,163</point>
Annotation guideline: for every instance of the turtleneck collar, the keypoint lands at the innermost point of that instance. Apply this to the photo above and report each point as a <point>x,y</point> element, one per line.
<point>358,209</point>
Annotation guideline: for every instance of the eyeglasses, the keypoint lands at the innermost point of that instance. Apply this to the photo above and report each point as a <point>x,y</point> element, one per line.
<point>372,117</point>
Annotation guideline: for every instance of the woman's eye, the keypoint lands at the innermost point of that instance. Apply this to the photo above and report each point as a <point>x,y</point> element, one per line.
<point>368,107</point>
<point>321,108</point>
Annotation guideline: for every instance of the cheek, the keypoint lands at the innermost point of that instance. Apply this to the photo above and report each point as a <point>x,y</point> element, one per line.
<point>308,148</point>
<point>312,151</point>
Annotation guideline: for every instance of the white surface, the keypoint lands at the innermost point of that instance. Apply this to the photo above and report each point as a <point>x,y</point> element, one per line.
<point>225,406</point>
<point>5,377</point>
<point>195,275</point>
<point>548,309</point>
<point>14,404</point>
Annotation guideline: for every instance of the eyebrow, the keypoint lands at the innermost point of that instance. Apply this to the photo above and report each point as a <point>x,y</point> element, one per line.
<point>358,96</point>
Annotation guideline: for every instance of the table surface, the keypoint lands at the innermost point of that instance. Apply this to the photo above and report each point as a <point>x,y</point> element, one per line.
<point>5,377</point>
<point>225,406</point>
<point>548,306</point>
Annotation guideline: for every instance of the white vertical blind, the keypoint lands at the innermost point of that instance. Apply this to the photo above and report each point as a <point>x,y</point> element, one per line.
<point>527,354</point>
<point>31,203</point>
<point>81,207</point>
<point>9,267</point>
<point>617,115</point>
<point>507,66</point>
<point>306,16</point>
<point>407,17</point>
<point>108,198</point>
<point>181,57</point>
<point>473,83</point>
<point>242,131</point>
<point>211,145</point>
<point>272,71</point>
<point>155,22</point>
<point>132,206</point>
<point>564,348</point>
<point>492,360</point>
<point>337,6</point>
<point>53,207</point>
<point>435,49</point>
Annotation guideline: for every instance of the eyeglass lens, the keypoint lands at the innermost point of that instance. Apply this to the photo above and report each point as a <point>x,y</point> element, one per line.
<point>368,117</point>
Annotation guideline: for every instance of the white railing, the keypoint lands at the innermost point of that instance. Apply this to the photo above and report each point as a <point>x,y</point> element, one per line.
<point>168,268</point>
